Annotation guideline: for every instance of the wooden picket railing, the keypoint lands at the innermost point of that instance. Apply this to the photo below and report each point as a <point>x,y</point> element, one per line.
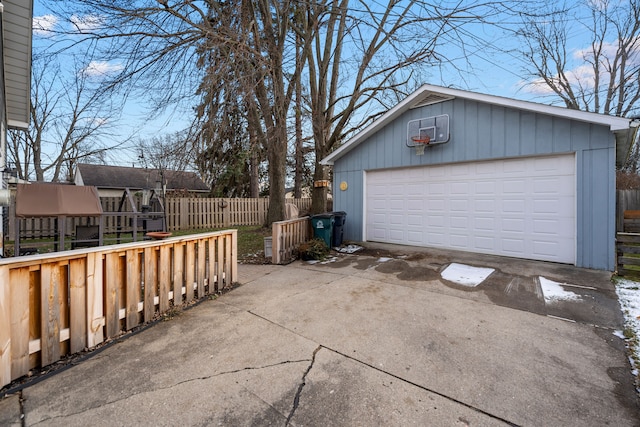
<point>58,304</point>
<point>287,236</point>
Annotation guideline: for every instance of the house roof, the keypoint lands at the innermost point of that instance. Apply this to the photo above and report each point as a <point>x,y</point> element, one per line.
<point>430,94</point>
<point>120,177</point>
<point>17,18</point>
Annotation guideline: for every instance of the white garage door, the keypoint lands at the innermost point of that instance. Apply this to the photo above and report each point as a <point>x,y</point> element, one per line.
<point>522,207</point>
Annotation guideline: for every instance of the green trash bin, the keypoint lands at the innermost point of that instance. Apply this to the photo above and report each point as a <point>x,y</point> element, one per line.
<point>323,227</point>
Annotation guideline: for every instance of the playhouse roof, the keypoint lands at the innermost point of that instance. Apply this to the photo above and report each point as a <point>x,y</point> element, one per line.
<point>42,200</point>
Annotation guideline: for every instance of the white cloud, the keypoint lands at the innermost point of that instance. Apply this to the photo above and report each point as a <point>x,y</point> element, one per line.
<point>101,68</point>
<point>86,23</point>
<point>43,25</point>
<point>536,87</point>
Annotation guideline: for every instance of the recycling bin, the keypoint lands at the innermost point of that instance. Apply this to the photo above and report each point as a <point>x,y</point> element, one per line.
<point>340,218</point>
<point>323,227</point>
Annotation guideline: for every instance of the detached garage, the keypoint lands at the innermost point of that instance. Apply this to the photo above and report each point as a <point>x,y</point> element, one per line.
<point>458,170</point>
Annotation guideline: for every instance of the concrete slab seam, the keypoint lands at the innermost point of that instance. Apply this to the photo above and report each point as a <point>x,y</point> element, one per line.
<point>452,399</point>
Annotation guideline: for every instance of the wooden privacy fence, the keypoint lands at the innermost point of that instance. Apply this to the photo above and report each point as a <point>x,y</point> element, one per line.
<point>286,236</point>
<point>628,245</point>
<point>198,213</point>
<point>628,254</point>
<point>626,200</point>
<point>181,214</point>
<point>61,303</point>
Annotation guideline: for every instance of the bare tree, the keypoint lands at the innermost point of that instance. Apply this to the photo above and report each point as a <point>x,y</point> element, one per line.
<point>354,53</point>
<point>363,54</point>
<point>168,152</point>
<point>70,119</point>
<point>602,76</point>
<point>162,38</point>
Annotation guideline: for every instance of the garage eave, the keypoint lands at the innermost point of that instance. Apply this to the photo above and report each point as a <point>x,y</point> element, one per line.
<point>17,35</point>
<point>427,92</point>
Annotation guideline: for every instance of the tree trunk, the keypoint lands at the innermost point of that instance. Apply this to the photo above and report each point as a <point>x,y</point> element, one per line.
<point>254,164</point>
<point>320,173</point>
<point>277,154</point>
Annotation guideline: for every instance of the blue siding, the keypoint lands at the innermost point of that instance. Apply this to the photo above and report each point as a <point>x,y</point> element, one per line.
<point>480,131</point>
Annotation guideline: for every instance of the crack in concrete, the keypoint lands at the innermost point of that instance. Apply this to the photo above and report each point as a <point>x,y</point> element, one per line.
<point>296,398</point>
<point>23,421</point>
<point>235,371</point>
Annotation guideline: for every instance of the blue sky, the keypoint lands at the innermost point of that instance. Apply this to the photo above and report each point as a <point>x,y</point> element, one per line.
<point>487,71</point>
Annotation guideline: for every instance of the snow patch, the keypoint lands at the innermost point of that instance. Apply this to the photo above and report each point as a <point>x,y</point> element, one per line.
<point>465,274</point>
<point>554,292</point>
<point>349,249</point>
<point>384,259</point>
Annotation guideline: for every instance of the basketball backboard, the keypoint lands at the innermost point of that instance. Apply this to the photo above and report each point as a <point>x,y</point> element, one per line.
<point>428,131</point>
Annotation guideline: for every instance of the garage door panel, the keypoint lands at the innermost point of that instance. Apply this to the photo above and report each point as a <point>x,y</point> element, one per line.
<point>415,236</point>
<point>514,206</point>
<point>484,243</point>
<point>513,225</point>
<point>396,235</point>
<point>513,186</point>
<point>485,187</point>
<point>458,205</point>
<point>485,205</point>
<point>484,224</point>
<point>517,207</point>
<point>436,221</point>
<point>459,241</point>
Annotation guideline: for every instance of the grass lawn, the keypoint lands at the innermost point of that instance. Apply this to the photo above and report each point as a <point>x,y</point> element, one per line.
<point>250,241</point>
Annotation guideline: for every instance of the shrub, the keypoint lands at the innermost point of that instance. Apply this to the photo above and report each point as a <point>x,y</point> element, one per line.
<point>313,249</point>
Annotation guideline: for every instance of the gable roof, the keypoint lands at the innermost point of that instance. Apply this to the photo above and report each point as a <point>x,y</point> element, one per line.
<point>430,94</point>
<point>17,16</point>
<point>120,177</point>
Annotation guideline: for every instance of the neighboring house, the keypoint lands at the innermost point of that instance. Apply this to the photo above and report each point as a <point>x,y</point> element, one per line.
<point>111,181</point>
<point>15,84</point>
<point>510,178</point>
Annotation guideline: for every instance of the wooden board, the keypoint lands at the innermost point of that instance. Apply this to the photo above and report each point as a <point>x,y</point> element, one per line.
<point>190,269</point>
<point>133,288</point>
<point>50,314</point>
<point>150,282</point>
<point>632,214</point>
<point>178,273</point>
<point>165,277</point>
<point>78,304</point>
<point>202,266</point>
<point>19,282</point>
<point>95,313</point>
<point>220,272</point>
<point>112,312</point>
<point>228,255</point>
<point>5,333</point>
<point>213,285</point>
<point>234,257</point>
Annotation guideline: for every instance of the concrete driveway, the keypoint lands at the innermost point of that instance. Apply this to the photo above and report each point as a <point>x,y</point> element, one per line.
<point>364,340</point>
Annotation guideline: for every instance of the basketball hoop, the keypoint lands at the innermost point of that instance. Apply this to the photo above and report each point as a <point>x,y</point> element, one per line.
<point>420,142</point>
